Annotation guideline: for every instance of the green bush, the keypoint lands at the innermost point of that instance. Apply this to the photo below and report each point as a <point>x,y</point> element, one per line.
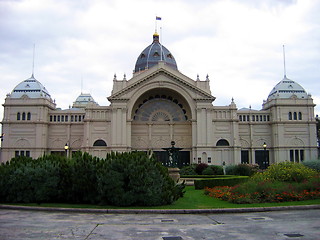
<point>188,170</point>
<point>288,172</point>
<point>121,179</point>
<point>313,164</point>
<point>134,179</point>
<point>219,181</point>
<point>26,180</point>
<point>213,170</point>
<point>205,176</point>
<point>242,169</point>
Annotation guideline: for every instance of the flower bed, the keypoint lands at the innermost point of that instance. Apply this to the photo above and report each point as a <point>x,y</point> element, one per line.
<point>267,191</point>
<point>282,182</point>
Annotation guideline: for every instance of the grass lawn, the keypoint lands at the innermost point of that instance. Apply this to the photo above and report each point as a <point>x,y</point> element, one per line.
<point>193,199</point>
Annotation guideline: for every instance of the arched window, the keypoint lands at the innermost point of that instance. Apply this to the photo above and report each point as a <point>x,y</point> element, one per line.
<point>18,116</point>
<point>28,116</point>
<point>99,143</point>
<point>222,142</point>
<point>290,116</point>
<point>23,116</point>
<point>300,116</point>
<point>295,116</point>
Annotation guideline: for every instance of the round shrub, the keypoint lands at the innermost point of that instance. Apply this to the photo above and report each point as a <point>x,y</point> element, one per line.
<point>289,172</point>
<point>200,167</point>
<point>188,170</point>
<point>242,169</point>
<point>126,179</point>
<point>213,170</point>
<point>313,164</point>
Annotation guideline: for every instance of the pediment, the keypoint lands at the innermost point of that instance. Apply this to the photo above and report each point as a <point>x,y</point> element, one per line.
<point>163,76</point>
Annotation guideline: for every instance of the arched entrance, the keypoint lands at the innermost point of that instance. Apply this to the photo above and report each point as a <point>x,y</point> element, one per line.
<point>158,117</point>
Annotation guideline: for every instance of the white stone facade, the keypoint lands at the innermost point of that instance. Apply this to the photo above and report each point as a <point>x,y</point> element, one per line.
<point>154,107</point>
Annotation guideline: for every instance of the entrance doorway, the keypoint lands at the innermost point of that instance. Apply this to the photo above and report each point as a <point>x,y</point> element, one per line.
<point>262,158</point>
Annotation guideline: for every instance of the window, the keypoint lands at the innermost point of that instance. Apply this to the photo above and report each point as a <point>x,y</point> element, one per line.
<point>23,116</point>
<point>29,116</point>
<point>209,159</point>
<point>300,116</point>
<point>199,159</point>
<point>18,116</point>
<point>62,118</point>
<point>71,118</point>
<point>222,142</point>
<point>54,118</point>
<point>240,118</point>
<point>58,118</point>
<point>295,116</point>
<point>290,115</point>
<point>66,118</point>
<point>50,118</point>
<point>99,143</point>
<point>296,155</point>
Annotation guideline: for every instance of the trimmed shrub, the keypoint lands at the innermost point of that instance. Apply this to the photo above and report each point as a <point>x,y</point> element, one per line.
<point>188,170</point>
<point>205,176</point>
<point>313,164</point>
<point>200,167</point>
<point>219,181</point>
<point>242,169</point>
<point>213,170</point>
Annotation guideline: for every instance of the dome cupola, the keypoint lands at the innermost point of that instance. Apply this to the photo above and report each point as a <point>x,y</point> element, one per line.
<point>287,88</point>
<point>154,53</point>
<point>83,100</point>
<point>31,88</point>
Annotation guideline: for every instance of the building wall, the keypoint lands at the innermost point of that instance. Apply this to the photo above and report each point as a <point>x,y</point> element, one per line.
<point>205,128</point>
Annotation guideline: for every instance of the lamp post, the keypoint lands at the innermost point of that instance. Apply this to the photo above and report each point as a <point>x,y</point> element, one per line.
<point>265,154</point>
<point>66,147</point>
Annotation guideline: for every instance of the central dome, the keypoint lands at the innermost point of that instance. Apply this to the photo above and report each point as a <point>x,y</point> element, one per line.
<point>154,53</point>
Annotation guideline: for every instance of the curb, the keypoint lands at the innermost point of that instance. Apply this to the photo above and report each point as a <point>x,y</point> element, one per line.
<point>161,211</point>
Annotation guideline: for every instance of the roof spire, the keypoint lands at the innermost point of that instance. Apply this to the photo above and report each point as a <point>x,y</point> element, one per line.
<point>34,46</point>
<point>284,62</point>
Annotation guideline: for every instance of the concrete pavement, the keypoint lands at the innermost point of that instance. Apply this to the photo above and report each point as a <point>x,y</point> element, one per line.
<point>292,224</point>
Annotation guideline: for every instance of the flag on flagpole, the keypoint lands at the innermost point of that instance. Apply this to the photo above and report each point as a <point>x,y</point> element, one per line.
<point>158,18</point>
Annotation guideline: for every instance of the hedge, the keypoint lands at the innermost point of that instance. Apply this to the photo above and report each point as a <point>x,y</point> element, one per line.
<point>219,181</point>
<point>206,176</point>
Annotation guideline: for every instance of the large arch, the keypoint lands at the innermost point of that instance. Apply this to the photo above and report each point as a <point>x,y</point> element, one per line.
<point>160,115</point>
<point>155,88</point>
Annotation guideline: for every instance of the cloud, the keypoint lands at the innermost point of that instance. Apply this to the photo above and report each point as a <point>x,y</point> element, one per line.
<point>238,43</point>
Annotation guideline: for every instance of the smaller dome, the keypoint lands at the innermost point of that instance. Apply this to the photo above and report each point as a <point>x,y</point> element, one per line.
<point>30,87</point>
<point>287,88</point>
<point>83,100</point>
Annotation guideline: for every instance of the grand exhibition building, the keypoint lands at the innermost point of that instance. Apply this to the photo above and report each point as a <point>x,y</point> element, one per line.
<point>159,104</point>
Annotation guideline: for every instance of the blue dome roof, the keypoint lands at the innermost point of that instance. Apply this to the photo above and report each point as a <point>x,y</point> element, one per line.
<point>154,53</point>
<point>30,87</point>
<point>286,88</point>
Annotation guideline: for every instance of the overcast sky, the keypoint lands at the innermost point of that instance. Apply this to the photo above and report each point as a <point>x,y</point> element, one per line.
<point>237,43</point>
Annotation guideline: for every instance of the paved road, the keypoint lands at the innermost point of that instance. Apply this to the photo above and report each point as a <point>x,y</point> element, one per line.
<point>294,224</point>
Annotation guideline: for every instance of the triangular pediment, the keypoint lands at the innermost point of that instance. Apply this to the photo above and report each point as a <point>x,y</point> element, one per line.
<point>163,76</point>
